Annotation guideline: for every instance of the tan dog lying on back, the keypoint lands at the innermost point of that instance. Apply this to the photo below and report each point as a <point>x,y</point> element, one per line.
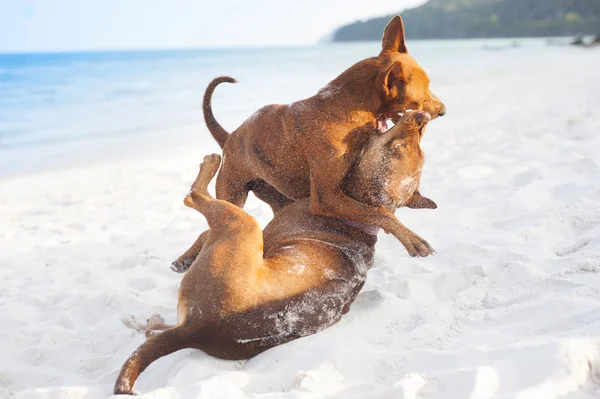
<point>285,153</point>
<point>248,291</point>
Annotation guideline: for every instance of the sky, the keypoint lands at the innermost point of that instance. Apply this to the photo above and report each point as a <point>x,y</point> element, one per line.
<point>70,25</point>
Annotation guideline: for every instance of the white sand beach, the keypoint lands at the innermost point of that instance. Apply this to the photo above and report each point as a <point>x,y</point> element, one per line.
<point>509,307</point>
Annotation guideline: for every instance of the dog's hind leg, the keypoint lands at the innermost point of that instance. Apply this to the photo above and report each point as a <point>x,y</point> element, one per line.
<point>221,215</point>
<point>233,184</point>
<point>208,169</point>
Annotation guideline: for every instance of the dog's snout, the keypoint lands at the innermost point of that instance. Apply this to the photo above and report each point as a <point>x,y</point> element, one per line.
<point>442,111</point>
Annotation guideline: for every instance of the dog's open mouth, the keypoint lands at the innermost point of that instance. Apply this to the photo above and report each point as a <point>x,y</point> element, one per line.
<point>385,118</point>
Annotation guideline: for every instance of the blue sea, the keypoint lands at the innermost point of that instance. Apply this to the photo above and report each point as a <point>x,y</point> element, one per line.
<point>63,109</point>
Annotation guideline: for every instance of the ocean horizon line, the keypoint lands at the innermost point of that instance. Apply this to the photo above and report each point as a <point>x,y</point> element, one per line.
<point>252,48</point>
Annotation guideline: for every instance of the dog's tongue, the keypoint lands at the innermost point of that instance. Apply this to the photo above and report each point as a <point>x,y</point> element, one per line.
<point>382,125</point>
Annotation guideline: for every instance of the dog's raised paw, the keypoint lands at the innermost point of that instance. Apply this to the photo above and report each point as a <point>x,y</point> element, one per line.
<point>210,164</point>
<point>181,266</point>
<point>418,247</point>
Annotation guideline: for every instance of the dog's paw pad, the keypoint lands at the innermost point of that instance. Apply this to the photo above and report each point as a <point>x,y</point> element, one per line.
<point>181,266</point>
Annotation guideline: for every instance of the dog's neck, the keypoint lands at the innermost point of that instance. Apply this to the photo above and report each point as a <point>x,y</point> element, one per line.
<point>354,89</point>
<point>362,98</point>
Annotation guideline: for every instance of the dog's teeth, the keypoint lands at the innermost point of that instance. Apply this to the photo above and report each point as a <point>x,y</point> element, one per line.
<point>382,125</point>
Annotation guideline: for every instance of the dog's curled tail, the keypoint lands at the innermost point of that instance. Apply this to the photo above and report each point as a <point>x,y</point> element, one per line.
<point>217,131</point>
<point>157,346</point>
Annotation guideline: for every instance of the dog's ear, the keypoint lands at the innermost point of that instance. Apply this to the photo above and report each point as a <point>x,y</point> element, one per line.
<point>417,201</point>
<point>388,81</point>
<point>393,36</point>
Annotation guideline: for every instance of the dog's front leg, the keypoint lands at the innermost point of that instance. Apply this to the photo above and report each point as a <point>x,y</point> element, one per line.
<point>327,199</point>
<point>185,261</point>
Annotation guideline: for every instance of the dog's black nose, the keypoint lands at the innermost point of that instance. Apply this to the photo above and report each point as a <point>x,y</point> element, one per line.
<point>442,111</point>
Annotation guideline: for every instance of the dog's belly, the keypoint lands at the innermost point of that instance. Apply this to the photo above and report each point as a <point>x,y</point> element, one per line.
<point>245,335</point>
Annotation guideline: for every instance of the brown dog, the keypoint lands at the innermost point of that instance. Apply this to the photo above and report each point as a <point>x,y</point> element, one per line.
<point>248,290</point>
<point>289,152</point>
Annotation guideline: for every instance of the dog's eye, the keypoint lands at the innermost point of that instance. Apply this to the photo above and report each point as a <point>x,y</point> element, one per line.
<point>399,145</point>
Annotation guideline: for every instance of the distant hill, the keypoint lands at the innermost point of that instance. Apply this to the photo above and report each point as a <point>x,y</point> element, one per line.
<point>461,19</point>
